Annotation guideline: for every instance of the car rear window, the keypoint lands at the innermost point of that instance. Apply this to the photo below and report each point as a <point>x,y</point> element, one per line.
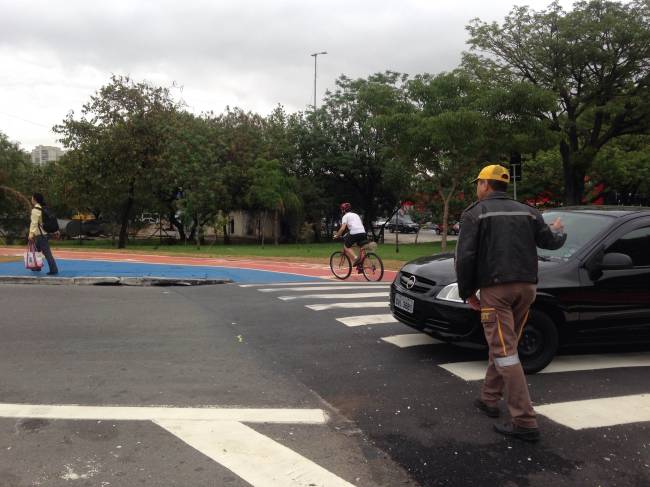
<point>580,229</point>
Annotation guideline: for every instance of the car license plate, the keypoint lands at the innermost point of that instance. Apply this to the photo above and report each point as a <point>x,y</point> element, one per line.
<point>404,303</point>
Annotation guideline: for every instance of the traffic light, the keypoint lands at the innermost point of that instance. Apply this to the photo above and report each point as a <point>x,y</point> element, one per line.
<point>515,167</point>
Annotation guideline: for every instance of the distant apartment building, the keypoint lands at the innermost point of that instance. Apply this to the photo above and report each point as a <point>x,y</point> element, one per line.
<point>42,154</point>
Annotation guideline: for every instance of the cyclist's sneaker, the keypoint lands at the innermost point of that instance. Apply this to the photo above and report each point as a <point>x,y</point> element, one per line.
<point>359,269</point>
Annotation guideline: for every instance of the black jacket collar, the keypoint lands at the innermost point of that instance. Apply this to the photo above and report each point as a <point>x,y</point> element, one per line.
<point>497,195</point>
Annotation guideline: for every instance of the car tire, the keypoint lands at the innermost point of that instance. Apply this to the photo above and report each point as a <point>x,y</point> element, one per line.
<point>539,342</point>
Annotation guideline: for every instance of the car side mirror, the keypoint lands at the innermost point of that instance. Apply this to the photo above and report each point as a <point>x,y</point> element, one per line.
<point>616,261</point>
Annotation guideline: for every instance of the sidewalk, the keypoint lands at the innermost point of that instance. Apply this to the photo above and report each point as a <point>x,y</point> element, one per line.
<point>85,263</point>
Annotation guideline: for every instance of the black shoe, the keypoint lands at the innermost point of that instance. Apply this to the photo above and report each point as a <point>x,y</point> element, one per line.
<point>519,432</point>
<point>490,411</point>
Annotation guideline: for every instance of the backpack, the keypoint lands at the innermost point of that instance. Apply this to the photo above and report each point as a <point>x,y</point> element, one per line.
<point>50,223</point>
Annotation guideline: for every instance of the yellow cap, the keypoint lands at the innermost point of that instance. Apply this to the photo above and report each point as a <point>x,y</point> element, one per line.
<point>494,172</point>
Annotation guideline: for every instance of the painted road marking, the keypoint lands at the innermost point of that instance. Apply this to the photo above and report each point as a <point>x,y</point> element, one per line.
<point>322,282</point>
<point>217,433</point>
<point>336,296</point>
<point>367,320</point>
<point>563,363</point>
<point>312,283</point>
<point>411,340</point>
<point>352,305</point>
<point>597,413</point>
<point>336,287</point>
<point>256,458</point>
<point>139,413</point>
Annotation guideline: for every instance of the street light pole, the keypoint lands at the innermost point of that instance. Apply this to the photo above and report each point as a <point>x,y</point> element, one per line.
<point>315,56</point>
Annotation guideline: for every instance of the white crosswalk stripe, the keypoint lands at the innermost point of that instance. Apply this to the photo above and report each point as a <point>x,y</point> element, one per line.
<point>336,296</point>
<point>367,320</point>
<point>597,413</point>
<point>349,305</point>
<point>563,363</point>
<point>336,287</point>
<point>323,282</point>
<point>410,340</point>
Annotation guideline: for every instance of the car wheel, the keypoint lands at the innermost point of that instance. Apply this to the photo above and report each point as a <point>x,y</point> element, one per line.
<point>539,342</point>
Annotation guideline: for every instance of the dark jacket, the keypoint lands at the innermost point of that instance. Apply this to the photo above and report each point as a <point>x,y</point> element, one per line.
<point>498,243</point>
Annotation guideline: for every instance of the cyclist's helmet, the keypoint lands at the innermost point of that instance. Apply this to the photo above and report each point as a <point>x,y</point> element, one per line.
<point>345,207</point>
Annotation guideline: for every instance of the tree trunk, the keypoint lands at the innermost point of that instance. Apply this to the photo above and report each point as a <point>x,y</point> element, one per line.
<point>226,235</point>
<point>193,230</point>
<point>445,213</point>
<point>275,227</point>
<point>126,214</point>
<point>445,225</point>
<point>574,174</point>
<point>177,225</point>
<point>417,234</point>
<point>262,225</point>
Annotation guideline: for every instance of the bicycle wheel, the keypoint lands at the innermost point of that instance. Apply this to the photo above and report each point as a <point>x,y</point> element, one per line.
<point>373,267</point>
<point>340,265</point>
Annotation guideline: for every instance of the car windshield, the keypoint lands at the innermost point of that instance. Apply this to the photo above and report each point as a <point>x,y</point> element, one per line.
<point>405,219</point>
<point>580,229</point>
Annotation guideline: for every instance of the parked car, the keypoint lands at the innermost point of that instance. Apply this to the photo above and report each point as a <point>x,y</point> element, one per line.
<point>81,228</point>
<point>402,224</point>
<point>595,289</point>
<point>453,228</point>
<point>149,219</point>
<point>432,226</point>
<point>379,223</point>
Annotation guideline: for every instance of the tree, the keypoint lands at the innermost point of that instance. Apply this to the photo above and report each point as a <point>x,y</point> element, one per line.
<point>461,122</point>
<point>593,59</point>
<point>192,181</point>
<point>271,190</point>
<point>624,166</point>
<point>355,136</point>
<point>15,183</point>
<point>118,143</point>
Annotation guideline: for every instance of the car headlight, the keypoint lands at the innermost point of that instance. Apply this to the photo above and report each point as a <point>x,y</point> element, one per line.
<point>450,293</point>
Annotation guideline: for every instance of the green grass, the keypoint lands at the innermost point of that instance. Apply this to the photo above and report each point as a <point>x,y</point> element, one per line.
<point>315,252</point>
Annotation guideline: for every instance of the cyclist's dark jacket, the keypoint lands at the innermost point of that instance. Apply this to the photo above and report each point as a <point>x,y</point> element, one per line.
<point>498,243</point>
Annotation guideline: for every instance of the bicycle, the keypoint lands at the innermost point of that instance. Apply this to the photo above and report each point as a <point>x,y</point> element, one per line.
<point>370,264</point>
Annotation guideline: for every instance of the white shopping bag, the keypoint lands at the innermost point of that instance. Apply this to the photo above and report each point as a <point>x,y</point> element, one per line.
<point>33,259</point>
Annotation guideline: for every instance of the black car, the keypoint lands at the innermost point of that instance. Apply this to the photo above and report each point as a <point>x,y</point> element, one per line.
<point>595,289</point>
<point>402,224</point>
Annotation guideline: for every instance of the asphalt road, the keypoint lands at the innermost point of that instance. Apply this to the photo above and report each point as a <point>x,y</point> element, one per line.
<point>393,415</point>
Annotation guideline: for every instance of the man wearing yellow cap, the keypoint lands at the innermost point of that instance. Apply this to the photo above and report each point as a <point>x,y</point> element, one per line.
<point>496,253</point>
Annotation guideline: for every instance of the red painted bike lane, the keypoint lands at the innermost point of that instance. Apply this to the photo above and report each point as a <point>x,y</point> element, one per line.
<point>308,269</point>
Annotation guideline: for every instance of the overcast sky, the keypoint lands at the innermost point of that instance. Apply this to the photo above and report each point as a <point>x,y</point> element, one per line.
<point>247,53</point>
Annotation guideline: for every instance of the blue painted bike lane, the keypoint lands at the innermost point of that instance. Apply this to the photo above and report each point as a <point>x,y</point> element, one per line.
<point>100,268</point>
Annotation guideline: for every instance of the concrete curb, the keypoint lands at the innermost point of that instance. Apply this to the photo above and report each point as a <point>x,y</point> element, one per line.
<point>110,281</point>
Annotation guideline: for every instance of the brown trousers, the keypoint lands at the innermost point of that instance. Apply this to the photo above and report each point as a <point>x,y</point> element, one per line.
<point>504,312</point>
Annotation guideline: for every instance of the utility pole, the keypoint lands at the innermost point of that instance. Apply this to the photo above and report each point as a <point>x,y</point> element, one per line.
<point>315,56</point>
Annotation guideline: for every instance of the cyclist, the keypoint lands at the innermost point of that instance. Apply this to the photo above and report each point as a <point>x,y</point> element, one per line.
<point>356,233</point>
